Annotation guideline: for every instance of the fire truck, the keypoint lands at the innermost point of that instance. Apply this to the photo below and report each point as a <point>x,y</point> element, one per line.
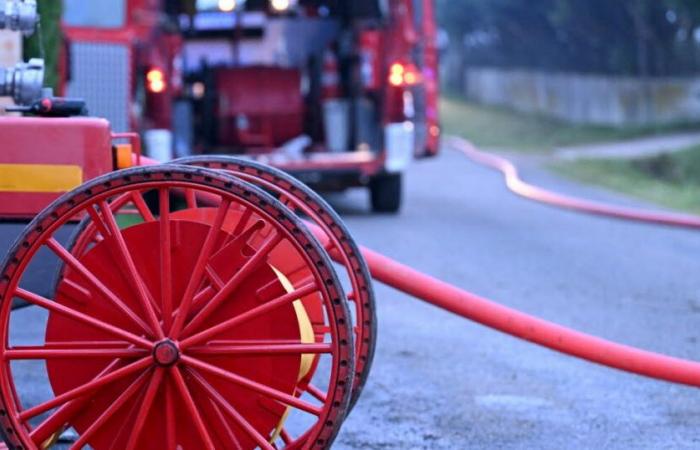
<point>340,94</point>
<point>123,58</point>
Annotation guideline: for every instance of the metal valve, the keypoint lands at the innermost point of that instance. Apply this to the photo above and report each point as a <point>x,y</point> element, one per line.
<point>19,15</point>
<point>23,82</point>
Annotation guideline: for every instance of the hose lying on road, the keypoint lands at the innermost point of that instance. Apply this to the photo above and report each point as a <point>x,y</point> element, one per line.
<point>516,323</point>
<point>528,191</point>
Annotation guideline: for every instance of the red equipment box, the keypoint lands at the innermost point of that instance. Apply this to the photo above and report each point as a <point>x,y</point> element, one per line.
<point>44,158</point>
<point>259,106</point>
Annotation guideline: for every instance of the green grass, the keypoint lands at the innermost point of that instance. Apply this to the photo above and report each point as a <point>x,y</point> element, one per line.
<point>671,180</point>
<point>491,127</point>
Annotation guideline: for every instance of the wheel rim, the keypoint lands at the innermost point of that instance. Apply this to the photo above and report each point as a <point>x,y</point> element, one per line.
<point>301,199</point>
<point>166,371</point>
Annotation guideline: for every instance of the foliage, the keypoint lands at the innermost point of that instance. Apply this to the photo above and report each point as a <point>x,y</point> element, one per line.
<point>670,180</point>
<point>492,127</point>
<point>640,37</point>
<point>50,11</point>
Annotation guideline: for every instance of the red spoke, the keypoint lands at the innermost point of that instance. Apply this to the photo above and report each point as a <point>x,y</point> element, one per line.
<point>316,393</point>
<point>166,281</point>
<point>192,407</point>
<point>245,218</point>
<point>249,315</point>
<point>191,198</point>
<point>249,267</point>
<point>80,317</point>
<point>83,271</point>
<point>199,268</point>
<point>170,432</point>
<point>280,396</point>
<point>284,434</point>
<point>20,353</point>
<point>85,389</point>
<point>145,408</point>
<point>142,207</point>
<point>231,411</point>
<point>65,413</point>
<point>262,349</point>
<point>109,412</point>
<point>133,275</point>
<point>230,435</point>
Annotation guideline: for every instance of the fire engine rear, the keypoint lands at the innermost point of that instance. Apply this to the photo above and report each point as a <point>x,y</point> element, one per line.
<point>340,94</point>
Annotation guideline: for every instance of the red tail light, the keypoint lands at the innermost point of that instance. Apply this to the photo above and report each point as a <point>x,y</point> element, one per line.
<point>155,81</point>
<point>403,75</point>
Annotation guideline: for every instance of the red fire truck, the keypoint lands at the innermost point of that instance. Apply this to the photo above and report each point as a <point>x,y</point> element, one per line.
<point>123,58</point>
<point>340,94</point>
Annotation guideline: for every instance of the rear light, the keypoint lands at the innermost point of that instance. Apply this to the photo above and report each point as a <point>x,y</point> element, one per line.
<point>396,74</point>
<point>155,81</point>
<point>403,75</point>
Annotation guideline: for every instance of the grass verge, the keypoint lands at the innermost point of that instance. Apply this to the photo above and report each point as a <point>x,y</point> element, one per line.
<point>492,127</point>
<point>671,180</point>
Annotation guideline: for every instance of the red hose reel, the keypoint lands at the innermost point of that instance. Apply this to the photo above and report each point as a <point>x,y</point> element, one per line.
<point>192,309</point>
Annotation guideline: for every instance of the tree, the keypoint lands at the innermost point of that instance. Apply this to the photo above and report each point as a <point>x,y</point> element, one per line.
<point>50,11</point>
<point>637,37</point>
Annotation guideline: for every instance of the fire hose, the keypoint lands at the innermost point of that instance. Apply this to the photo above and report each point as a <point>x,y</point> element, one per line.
<point>524,326</point>
<point>526,190</point>
<point>197,305</point>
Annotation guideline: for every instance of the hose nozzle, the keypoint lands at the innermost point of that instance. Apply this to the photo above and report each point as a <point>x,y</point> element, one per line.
<point>23,82</point>
<point>19,15</point>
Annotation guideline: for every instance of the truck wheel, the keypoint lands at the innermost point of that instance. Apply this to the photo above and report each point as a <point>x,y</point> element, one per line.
<point>385,192</point>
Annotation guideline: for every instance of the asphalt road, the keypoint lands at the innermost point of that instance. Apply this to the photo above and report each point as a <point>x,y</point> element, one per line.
<point>441,382</point>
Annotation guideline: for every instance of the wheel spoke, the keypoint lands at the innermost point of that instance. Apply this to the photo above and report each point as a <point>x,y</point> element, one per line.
<point>80,317</point>
<point>231,411</point>
<point>110,411</point>
<point>145,407</point>
<point>141,206</point>
<point>83,271</point>
<point>166,281</point>
<point>262,349</point>
<point>170,432</point>
<point>191,198</point>
<point>199,268</point>
<point>39,353</point>
<point>230,435</point>
<point>192,407</point>
<point>137,283</point>
<point>280,396</point>
<point>316,393</point>
<point>249,267</point>
<point>85,389</point>
<point>286,438</point>
<point>249,315</point>
<point>66,412</point>
<point>242,223</point>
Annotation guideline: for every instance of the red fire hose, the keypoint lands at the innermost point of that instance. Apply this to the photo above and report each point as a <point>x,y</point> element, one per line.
<point>524,326</point>
<point>530,192</point>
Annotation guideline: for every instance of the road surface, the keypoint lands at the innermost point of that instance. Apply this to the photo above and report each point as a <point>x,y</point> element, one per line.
<point>440,382</point>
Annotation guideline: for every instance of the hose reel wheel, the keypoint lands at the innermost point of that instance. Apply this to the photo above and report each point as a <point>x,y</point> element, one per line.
<point>176,325</point>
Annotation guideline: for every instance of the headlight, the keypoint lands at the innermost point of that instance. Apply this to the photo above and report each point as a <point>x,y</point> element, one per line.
<point>281,6</point>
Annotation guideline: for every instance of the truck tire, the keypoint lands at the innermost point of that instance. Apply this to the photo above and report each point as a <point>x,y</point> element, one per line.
<point>386,192</point>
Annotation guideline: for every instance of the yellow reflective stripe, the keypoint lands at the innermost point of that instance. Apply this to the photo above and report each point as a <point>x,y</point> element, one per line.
<point>46,178</point>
